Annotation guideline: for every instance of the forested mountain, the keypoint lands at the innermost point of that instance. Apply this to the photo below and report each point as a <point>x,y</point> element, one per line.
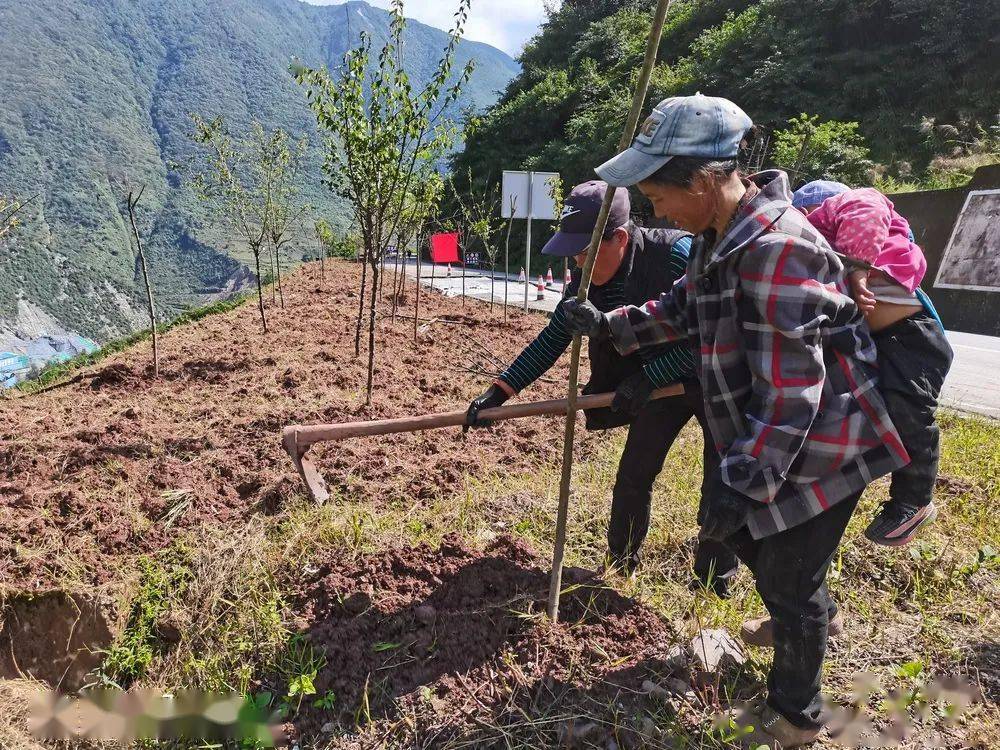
<point>94,91</point>
<point>920,77</point>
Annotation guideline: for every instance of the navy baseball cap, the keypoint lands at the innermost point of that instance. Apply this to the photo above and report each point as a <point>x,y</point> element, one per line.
<point>579,217</point>
<point>705,126</point>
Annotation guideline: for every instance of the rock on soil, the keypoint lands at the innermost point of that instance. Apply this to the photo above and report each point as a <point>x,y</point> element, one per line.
<point>460,630</point>
<point>715,650</point>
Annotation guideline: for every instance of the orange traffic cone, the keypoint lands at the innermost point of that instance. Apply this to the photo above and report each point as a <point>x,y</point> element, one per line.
<point>521,279</point>
<point>548,278</point>
<point>541,288</point>
<point>449,270</point>
<point>568,278</point>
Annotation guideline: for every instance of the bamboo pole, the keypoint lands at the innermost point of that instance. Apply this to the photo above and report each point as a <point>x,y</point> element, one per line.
<point>638,101</point>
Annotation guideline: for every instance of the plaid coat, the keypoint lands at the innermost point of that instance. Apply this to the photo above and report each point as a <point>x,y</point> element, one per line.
<point>787,364</point>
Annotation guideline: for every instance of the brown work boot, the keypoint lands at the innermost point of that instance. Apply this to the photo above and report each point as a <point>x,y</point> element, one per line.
<point>764,727</point>
<point>760,632</point>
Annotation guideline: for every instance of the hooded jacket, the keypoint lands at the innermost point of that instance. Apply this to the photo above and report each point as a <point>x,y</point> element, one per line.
<point>785,360</point>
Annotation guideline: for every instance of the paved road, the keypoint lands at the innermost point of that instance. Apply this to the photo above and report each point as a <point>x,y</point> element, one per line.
<point>972,386</point>
<point>477,286</point>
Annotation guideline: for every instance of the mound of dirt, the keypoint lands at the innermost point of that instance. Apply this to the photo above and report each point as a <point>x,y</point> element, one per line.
<point>117,463</point>
<point>416,626</point>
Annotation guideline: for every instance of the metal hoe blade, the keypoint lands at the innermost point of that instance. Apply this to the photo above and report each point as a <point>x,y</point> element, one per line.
<point>314,481</point>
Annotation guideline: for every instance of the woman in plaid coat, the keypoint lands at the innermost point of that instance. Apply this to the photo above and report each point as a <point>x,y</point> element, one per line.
<point>787,368</point>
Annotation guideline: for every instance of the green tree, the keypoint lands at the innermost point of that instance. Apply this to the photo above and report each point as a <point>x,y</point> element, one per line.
<point>837,59</point>
<point>9,219</point>
<point>382,132</point>
<point>811,150</point>
<point>240,176</point>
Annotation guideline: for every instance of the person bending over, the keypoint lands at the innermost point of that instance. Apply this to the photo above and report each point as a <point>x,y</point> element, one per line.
<point>633,264</point>
<point>788,375</point>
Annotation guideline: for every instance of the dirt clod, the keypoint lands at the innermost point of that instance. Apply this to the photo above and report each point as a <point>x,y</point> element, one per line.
<point>425,614</point>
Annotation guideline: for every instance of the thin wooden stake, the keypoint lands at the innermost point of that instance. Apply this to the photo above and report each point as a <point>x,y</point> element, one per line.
<point>638,102</point>
<point>132,204</point>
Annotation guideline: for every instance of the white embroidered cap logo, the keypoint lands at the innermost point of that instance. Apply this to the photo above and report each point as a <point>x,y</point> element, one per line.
<point>568,211</point>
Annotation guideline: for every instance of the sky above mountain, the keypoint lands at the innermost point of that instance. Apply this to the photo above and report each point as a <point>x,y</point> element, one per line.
<point>505,24</point>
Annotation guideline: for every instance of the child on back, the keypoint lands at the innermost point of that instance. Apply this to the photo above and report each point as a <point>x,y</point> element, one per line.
<point>886,268</point>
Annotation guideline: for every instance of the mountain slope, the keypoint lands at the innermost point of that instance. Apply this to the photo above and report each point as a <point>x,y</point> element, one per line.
<point>99,90</point>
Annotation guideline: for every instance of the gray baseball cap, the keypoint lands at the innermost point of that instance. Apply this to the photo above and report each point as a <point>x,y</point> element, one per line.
<point>704,126</point>
<point>579,217</point>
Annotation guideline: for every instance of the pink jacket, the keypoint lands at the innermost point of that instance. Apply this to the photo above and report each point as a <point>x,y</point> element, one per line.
<point>863,224</point>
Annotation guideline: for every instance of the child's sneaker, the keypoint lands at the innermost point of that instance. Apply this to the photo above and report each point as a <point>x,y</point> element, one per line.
<point>897,523</point>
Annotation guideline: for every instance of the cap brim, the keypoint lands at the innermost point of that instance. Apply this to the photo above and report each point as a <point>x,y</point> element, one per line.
<point>630,168</point>
<point>566,244</point>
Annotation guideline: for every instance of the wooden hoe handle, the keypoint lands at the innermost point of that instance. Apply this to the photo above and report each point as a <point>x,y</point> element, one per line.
<point>302,436</point>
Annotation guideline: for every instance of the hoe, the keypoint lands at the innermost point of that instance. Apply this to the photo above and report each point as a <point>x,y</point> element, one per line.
<point>298,439</point>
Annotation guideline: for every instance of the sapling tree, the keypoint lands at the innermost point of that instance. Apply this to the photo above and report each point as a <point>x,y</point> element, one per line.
<point>480,214</point>
<point>132,202</point>
<point>422,202</point>
<point>238,175</point>
<point>326,239</point>
<point>286,210</point>
<point>810,149</point>
<point>427,199</point>
<point>383,131</point>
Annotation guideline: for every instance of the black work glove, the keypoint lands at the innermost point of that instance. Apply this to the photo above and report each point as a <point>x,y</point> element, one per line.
<point>724,511</point>
<point>585,319</point>
<point>632,394</point>
<point>494,396</point>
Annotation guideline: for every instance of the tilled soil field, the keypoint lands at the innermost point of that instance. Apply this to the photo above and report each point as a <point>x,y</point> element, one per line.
<point>116,463</point>
<point>443,641</point>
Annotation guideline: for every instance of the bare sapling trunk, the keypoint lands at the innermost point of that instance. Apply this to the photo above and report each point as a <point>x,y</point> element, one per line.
<point>416,304</point>
<point>493,281</point>
<point>395,282</point>
<point>132,203</point>
<point>462,255</point>
<point>361,302</point>
<point>322,263</point>
<point>381,276</point>
<point>260,286</point>
<point>373,307</point>
<point>270,263</point>
<point>506,260</point>
<point>277,262</point>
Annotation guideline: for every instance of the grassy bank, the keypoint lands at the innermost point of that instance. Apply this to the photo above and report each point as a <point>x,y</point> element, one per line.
<point>915,614</point>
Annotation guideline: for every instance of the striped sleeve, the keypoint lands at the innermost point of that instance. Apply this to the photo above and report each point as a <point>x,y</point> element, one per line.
<point>675,365</point>
<point>680,252</point>
<point>540,354</point>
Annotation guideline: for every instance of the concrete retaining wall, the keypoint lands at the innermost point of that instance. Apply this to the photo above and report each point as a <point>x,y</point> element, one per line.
<point>932,215</point>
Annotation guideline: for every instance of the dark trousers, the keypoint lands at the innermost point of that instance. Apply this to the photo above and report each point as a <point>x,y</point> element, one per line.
<point>914,357</point>
<point>790,574</point>
<point>650,436</point>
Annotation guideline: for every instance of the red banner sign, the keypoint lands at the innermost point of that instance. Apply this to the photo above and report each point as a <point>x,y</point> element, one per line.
<point>444,248</point>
